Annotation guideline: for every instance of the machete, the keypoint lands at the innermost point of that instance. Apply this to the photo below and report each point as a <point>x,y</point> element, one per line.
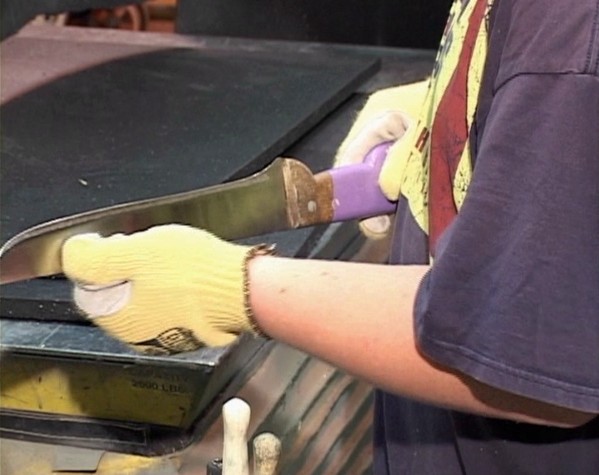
<point>285,195</point>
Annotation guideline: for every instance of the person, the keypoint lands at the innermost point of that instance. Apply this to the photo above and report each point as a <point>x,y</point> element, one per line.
<point>482,334</point>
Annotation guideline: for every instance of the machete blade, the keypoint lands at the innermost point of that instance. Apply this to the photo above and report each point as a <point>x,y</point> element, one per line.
<point>247,207</point>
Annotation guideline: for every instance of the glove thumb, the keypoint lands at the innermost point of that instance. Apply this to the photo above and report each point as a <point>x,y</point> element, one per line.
<point>95,259</point>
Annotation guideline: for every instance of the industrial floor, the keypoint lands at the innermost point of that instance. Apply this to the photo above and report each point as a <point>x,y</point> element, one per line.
<point>27,458</point>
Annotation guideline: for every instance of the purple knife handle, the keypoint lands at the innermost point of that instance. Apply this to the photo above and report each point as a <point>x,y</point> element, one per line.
<point>356,191</point>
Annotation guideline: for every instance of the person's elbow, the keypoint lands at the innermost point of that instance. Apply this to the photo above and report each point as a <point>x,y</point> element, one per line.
<point>553,416</point>
<point>573,419</point>
<point>520,408</point>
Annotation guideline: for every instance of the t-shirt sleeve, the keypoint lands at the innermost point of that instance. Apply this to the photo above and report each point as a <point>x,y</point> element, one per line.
<point>512,298</point>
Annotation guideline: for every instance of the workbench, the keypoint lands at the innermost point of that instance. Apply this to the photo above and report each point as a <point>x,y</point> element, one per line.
<point>93,118</point>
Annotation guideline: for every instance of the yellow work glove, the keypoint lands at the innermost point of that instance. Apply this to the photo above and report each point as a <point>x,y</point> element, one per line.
<point>387,116</point>
<point>166,290</point>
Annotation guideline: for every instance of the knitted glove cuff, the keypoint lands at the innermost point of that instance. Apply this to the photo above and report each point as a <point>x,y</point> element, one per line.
<point>259,250</point>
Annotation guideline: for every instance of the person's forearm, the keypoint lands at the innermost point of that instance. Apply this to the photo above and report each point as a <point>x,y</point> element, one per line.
<point>359,317</point>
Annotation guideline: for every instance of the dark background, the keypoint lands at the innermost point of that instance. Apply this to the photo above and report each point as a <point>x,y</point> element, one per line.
<point>401,23</point>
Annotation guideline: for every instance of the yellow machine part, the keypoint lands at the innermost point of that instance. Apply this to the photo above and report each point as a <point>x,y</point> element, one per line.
<point>105,391</point>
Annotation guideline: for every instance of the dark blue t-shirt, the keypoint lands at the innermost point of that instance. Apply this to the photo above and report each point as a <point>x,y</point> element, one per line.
<point>513,295</point>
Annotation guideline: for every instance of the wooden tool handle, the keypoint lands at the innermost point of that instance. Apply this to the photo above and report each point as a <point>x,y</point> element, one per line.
<point>236,418</point>
<point>267,449</point>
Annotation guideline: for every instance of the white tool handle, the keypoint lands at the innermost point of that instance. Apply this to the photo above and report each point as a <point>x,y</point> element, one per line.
<point>236,418</point>
<point>267,449</point>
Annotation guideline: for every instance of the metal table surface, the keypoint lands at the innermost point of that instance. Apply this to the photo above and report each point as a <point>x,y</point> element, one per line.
<point>92,118</point>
